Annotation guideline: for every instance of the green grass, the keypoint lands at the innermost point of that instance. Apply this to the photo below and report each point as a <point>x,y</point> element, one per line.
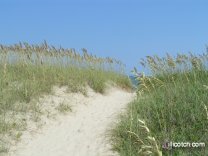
<point>63,107</point>
<point>29,71</point>
<point>173,104</point>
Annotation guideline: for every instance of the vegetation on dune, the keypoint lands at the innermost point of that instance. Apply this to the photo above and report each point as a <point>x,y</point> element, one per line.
<point>28,71</point>
<point>171,106</point>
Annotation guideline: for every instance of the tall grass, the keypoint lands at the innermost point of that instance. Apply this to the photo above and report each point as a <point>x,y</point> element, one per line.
<point>29,71</point>
<point>172,102</point>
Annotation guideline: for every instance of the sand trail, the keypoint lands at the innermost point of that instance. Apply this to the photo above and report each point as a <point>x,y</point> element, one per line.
<point>78,133</point>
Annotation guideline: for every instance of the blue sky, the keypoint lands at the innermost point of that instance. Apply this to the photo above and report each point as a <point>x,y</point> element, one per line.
<point>124,29</point>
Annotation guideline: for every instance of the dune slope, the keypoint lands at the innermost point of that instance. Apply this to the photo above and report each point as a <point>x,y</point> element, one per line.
<point>81,132</point>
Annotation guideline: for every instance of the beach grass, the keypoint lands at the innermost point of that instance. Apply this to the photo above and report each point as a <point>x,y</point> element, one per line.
<point>29,71</point>
<point>171,106</point>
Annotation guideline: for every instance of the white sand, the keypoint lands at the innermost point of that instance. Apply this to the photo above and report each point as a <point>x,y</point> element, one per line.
<point>80,133</point>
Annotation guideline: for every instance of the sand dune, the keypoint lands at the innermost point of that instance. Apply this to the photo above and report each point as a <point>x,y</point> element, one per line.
<point>78,133</point>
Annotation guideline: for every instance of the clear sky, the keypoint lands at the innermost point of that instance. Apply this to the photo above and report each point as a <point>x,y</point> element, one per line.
<point>125,29</point>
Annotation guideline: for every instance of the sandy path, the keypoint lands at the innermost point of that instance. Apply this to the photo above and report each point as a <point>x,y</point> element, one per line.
<point>80,133</point>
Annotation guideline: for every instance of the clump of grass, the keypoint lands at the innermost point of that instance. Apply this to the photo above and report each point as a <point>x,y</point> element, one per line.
<point>147,146</point>
<point>3,148</point>
<point>29,71</point>
<point>63,108</point>
<point>173,103</point>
